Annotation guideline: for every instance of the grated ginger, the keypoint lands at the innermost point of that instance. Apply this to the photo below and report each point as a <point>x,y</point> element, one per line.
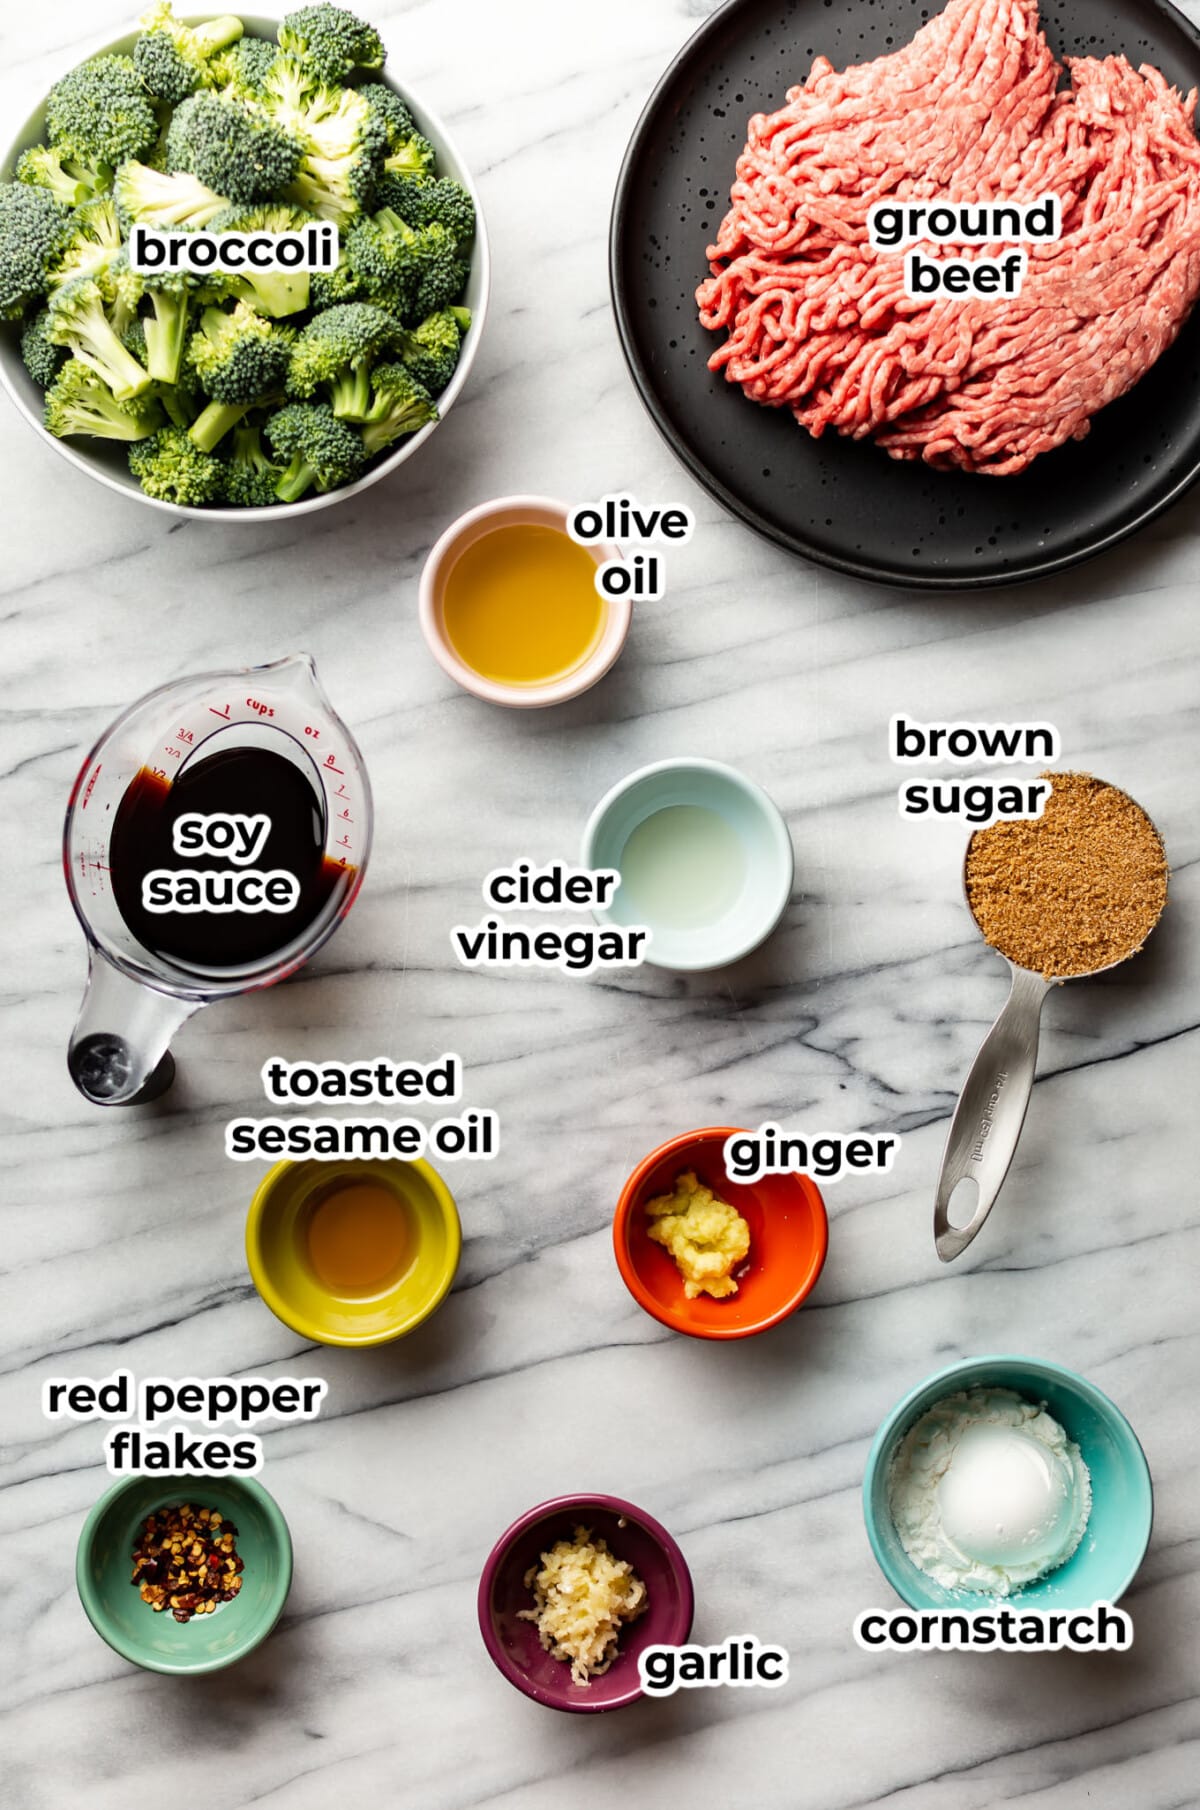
<point>583,1596</point>
<point>706,1236</point>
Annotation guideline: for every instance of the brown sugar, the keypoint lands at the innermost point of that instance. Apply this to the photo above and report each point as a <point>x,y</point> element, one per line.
<point>1074,890</point>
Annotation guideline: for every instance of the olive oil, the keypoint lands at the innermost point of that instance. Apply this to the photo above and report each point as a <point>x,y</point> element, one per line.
<point>521,606</point>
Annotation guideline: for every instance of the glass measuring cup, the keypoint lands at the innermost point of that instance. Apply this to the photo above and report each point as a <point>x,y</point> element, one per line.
<point>987,1122</point>
<point>136,997</point>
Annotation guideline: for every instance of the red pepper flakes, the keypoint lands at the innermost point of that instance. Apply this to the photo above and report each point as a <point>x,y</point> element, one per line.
<point>186,1560</point>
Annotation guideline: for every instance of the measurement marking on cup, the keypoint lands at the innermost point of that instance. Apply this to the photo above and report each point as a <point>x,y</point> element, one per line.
<point>223,714</point>
<point>988,1116</point>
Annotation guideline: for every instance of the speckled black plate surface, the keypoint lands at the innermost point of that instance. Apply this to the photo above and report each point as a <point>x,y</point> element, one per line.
<point>846,503</point>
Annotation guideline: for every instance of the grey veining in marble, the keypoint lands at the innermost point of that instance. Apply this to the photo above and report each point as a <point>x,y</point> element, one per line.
<point>123,1231</point>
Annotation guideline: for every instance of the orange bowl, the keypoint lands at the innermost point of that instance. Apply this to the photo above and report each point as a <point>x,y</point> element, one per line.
<point>789,1236</point>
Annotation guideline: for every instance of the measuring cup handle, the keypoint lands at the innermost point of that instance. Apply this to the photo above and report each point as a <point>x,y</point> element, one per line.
<point>990,1112</point>
<point>129,1065</point>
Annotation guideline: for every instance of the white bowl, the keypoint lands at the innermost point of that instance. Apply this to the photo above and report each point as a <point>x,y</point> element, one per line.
<point>107,463</point>
<point>507,512</point>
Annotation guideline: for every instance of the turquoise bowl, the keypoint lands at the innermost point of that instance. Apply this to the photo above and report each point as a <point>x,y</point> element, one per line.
<point>1118,1531</point>
<point>157,1642</point>
<point>760,829</point>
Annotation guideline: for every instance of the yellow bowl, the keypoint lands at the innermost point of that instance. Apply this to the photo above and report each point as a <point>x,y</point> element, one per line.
<point>282,1272</point>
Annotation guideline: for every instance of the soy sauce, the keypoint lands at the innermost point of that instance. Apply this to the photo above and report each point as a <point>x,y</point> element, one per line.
<point>246,781</point>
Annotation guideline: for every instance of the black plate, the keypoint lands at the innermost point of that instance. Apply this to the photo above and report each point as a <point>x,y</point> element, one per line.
<point>844,502</point>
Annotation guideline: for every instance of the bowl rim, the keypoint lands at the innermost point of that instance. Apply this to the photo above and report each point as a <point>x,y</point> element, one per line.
<point>278,512</point>
<point>291,1316</point>
<point>91,1600</point>
<point>561,1507</point>
<point>896,1423</point>
<point>627,1200</point>
<point>540,511</point>
<point>771,815</point>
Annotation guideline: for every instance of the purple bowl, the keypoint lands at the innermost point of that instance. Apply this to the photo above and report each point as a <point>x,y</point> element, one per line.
<point>514,1644</point>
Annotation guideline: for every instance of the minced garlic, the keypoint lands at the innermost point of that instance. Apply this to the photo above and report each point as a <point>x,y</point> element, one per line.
<point>706,1236</point>
<point>583,1596</point>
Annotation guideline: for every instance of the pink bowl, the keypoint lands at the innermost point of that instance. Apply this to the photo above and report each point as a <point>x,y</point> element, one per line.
<point>630,1534</point>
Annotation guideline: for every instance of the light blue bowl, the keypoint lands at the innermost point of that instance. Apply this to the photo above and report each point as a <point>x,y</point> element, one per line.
<point>759,826</point>
<point>1118,1531</point>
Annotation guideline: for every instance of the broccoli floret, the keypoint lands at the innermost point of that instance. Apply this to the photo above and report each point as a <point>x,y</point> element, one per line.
<point>393,115</point>
<point>431,350</point>
<point>400,405</point>
<point>421,202</point>
<point>335,353</point>
<point>321,449</point>
<point>43,359</point>
<point>243,68</point>
<point>170,293</point>
<point>343,142</point>
<point>413,271</point>
<point>101,114</point>
<point>78,402</point>
<point>330,288</point>
<point>91,243</point>
<point>218,139</point>
<point>240,360</point>
<point>251,480</point>
<point>274,292</point>
<point>79,322</point>
<point>122,290</point>
<point>33,230</point>
<point>331,42</point>
<point>415,157</point>
<point>69,182</point>
<point>156,198</point>
<point>174,59</point>
<point>170,465</point>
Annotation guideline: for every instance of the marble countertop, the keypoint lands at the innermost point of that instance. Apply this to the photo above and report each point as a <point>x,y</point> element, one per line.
<point>123,1230</point>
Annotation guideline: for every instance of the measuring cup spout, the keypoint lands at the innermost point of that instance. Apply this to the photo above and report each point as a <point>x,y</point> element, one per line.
<point>119,1054</point>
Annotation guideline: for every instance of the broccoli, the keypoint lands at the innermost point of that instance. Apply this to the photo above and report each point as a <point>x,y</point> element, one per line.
<point>243,69</point>
<point>343,141</point>
<point>78,402</point>
<point>92,241</point>
<point>400,405</point>
<point>251,480</point>
<point>69,182</point>
<point>122,290</point>
<point>321,449</point>
<point>413,272</point>
<point>173,59</point>
<point>101,114</point>
<point>335,352</point>
<point>235,153</point>
<point>170,466</point>
<point>331,42</point>
<point>431,350</point>
<point>43,359</point>
<point>79,322</point>
<point>33,230</point>
<point>275,292</point>
<point>330,288</point>
<point>170,293</point>
<point>338,184</point>
<point>157,198</point>
<point>420,201</point>
<point>240,360</point>
<point>393,115</point>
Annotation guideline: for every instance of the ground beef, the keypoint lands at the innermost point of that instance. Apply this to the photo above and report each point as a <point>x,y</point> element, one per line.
<point>971,110</point>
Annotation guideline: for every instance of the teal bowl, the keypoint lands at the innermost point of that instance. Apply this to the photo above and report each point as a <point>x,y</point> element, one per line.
<point>1114,1543</point>
<point>157,1642</point>
<point>759,833</point>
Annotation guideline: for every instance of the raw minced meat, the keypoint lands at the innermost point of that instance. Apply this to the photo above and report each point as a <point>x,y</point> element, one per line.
<point>817,320</point>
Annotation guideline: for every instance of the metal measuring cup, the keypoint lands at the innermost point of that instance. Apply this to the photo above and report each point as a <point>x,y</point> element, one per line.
<point>982,1139</point>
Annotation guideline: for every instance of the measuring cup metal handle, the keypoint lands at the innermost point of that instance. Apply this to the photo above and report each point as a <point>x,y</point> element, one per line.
<point>991,1111</point>
<point>129,1065</point>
